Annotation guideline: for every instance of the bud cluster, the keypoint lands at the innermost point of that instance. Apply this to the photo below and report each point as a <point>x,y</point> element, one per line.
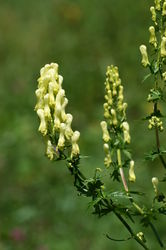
<point>158,42</point>
<point>115,128</point>
<point>154,122</point>
<point>55,124</point>
<point>157,60</point>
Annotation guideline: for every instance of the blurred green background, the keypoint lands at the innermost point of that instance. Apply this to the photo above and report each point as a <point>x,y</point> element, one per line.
<point>39,207</point>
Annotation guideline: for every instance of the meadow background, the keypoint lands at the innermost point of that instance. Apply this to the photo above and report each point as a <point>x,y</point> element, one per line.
<point>39,207</point>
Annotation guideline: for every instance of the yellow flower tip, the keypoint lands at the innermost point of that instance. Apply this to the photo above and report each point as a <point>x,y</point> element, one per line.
<point>163,47</point>
<point>132,176</point>
<point>153,39</point>
<point>75,148</point>
<point>141,236</point>
<point>43,125</point>
<point>50,150</point>
<point>40,102</point>
<point>47,112</point>
<point>106,148</point>
<point>145,60</point>
<point>164,76</point>
<point>106,136</point>
<point>164,9</point>
<point>69,131</point>
<point>154,122</point>
<point>155,183</point>
<point>98,170</point>
<point>61,141</point>
<point>114,118</point>
<point>126,132</point>
<point>51,68</point>
<point>153,12</point>
<point>157,4</point>
<point>53,88</point>
<point>107,160</point>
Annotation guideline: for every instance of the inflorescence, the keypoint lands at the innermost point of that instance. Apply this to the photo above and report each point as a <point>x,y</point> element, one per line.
<point>55,124</point>
<point>116,132</point>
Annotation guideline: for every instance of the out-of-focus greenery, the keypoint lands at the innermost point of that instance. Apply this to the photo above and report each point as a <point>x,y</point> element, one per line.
<point>39,207</point>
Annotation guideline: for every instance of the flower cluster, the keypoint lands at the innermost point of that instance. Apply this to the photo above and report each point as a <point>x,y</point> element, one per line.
<point>154,122</point>
<point>158,42</point>
<point>157,60</point>
<point>55,124</point>
<point>116,132</point>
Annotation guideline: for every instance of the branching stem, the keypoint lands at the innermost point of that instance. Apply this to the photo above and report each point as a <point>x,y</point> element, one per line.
<point>133,235</point>
<point>158,141</point>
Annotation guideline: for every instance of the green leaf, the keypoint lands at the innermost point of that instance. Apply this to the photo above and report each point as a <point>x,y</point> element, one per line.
<point>137,193</point>
<point>146,77</point>
<point>127,154</point>
<point>115,175</point>
<point>157,113</point>
<point>155,95</point>
<point>152,155</point>
<point>154,67</point>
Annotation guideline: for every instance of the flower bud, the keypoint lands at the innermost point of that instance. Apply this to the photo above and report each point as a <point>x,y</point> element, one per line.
<point>61,141</point>
<point>106,136</point>
<point>69,131</point>
<point>157,4</point>
<point>114,118</point>
<point>163,47</point>
<point>152,39</point>
<point>50,150</point>
<point>155,183</point>
<point>152,10</point>
<point>110,97</point>
<point>164,76</point>
<point>164,9</point>
<point>75,148</point>
<point>63,114</point>
<point>40,102</point>
<point>132,176</point>
<point>107,159</point>
<point>125,127</point>
<point>114,89</point>
<point>43,125</point>
<point>51,88</point>
<point>141,236</point>
<point>47,113</point>
<point>145,60</point>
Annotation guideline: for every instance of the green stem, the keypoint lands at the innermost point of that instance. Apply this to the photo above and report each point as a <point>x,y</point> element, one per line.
<point>158,141</point>
<point>139,209</point>
<point>157,235</point>
<point>125,183</point>
<point>121,171</point>
<point>133,235</point>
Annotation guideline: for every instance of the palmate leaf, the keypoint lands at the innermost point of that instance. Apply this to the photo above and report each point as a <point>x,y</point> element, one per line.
<point>115,175</point>
<point>120,198</point>
<point>152,155</point>
<point>155,95</point>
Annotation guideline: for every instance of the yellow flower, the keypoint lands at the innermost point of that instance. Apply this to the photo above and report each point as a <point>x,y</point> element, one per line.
<point>145,60</point>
